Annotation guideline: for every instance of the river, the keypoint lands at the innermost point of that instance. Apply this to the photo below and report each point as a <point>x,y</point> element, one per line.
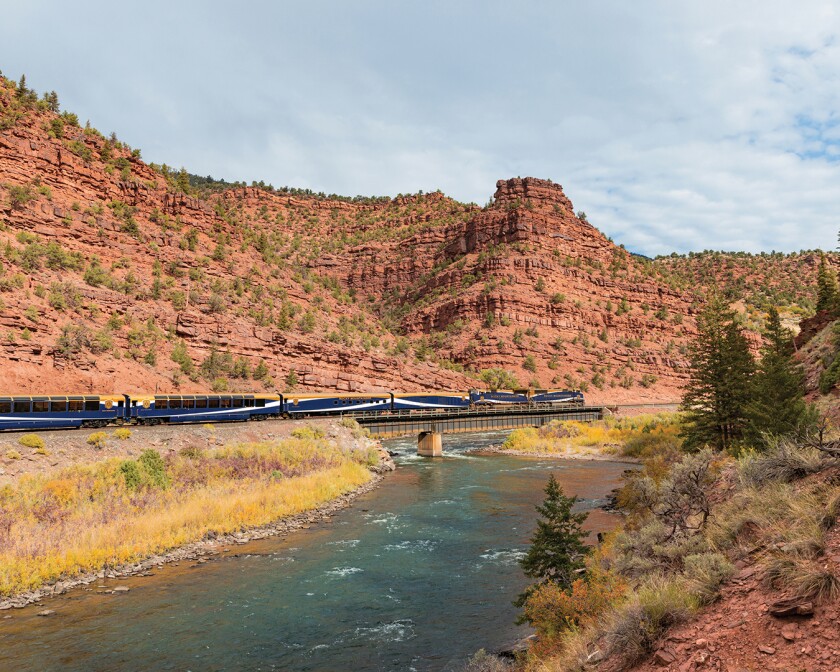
<point>417,575</point>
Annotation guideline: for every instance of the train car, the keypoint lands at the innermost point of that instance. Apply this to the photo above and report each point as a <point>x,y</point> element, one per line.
<point>418,401</point>
<point>175,408</point>
<point>61,411</point>
<point>498,397</point>
<point>557,397</point>
<point>302,404</point>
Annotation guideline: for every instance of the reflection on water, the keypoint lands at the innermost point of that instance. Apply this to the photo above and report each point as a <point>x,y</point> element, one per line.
<point>416,576</point>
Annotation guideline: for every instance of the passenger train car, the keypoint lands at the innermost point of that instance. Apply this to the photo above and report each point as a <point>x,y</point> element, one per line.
<point>335,404</point>
<point>61,412</point>
<point>69,411</point>
<point>159,408</point>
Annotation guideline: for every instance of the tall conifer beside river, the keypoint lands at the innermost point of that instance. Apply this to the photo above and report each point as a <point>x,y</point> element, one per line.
<point>777,405</point>
<point>718,389</point>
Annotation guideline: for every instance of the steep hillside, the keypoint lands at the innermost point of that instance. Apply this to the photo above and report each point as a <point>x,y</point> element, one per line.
<point>120,275</point>
<point>110,273</point>
<point>756,281</point>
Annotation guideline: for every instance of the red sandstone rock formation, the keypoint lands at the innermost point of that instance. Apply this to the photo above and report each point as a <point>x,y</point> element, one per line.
<point>406,293</point>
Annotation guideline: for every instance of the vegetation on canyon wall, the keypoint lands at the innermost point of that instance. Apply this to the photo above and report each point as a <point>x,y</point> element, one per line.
<point>114,271</point>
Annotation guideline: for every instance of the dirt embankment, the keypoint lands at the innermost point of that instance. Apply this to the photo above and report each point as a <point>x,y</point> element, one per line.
<point>63,448</point>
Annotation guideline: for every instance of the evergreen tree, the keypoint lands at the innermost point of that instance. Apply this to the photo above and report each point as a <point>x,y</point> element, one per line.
<point>826,286</point>
<point>182,181</point>
<point>718,390</point>
<point>777,405</point>
<point>557,550</point>
<point>51,99</point>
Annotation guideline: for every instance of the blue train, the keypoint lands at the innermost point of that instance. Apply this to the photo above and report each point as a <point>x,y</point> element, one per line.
<point>73,411</point>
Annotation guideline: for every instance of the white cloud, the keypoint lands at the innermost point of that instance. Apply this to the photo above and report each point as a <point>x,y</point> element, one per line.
<point>676,126</point>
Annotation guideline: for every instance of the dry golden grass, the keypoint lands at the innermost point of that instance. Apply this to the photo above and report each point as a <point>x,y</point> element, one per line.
<point>87,517</point>
<point>635,436</point>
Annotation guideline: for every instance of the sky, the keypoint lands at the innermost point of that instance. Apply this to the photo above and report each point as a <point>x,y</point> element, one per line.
<point>675,126</point>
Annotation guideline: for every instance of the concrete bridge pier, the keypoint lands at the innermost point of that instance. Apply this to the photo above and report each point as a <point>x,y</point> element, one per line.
<point>430,444</point>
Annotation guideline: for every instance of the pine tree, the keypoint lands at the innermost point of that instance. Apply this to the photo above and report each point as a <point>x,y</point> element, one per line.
<point>826,286</point>
<point>777,405</point>
<point>51,99</point>
<point>719,385</point>
<point>557,550</point>
<point>182,181</point>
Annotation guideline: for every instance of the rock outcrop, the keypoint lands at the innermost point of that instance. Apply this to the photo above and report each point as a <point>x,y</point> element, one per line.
<point>111,272</point>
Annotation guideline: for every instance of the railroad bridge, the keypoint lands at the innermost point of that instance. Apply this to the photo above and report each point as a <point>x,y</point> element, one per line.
<point>430,425</point>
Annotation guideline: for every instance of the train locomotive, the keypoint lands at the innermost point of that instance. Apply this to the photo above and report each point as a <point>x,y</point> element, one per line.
<point>90,410</point>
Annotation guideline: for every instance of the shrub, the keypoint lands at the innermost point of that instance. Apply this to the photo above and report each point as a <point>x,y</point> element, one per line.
<point>357,430</point>
<point>659,604</point>
<point>552,610</point>
<point>13,455</point>
<point>308,432</point>
<point>181,357</point>
<point>260,371</point>
<point>497,379</point>
<point>154,468</point>
<point>20,195</point>
<point>808,578</point>
<point>705,573</point>
<point>782,463</point>
<point>131,473</point>
<point>192,452</point>
<point>97,439</point>
<point>31,441</point>
<point>122,433</point>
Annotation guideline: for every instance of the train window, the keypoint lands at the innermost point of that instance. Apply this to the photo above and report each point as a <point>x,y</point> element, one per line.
<point>213,402</point>
<point>188,403</point>
<point>249,403</point>
<point>91,405</point>
<point>75,405</point>
<point>58,406</point>
<point>237,403</point>
<point>162,404</point>
<point>201,402</point>
<point>175,403</point>
<point>259,403</point>
<point>40,406</point>
<point>5,406</point>
<point>21,406</point>
<point>224,402</point>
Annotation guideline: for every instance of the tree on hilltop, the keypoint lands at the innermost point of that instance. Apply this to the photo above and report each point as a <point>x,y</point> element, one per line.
<point>718,390</point>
